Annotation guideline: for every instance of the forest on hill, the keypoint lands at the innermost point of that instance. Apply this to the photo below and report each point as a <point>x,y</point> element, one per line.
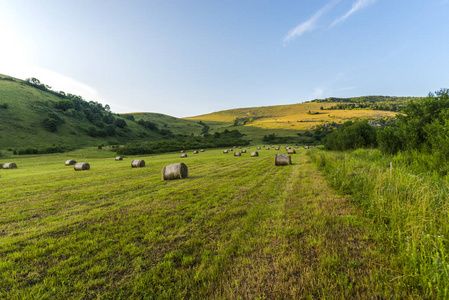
<point>368,103</point>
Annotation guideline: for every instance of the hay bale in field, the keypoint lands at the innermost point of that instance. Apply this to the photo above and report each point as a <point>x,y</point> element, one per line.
<point>237,154</point>
<point>82,166</point>
<point>202,150</point>
<point>183,151</point>
<point>70,162</point>
<point>240,147</point>
<point>254,154</point>
<point>268,148</point>
<point>175,171</point>
<point>231,149</point>
<point>306,147</point>
<point>291,151</point>
<point>258,148</point>
<point>195,152</point>
<point>138,163</point>
<point>282,160</point>
<point>243,150</point>
<point>9,166</point>
<point>296,147</point>
<point>183,155</point>
<point>225,151</point>
<point>247,147</point>
<point>117,158</point>
<point>277,148</point>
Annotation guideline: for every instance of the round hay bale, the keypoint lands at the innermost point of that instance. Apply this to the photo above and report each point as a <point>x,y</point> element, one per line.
<point>183,151</point>
<point>243,150</point>
<point>183,155</point>
<point>118,158</point>
<point>175,171</point>
<point>240,147</point>
<point>291,151</point>
<point>306,147</point>
<point>202,150</point>
<point>82,166</point>
<point>70,162</point>
<point>195,152</point>
<point>237,154</point>
<point>282,160</point>
<point>247,147</point>
<point>254,154</point>
<point>231,149</point>
<point>258,148</point>
<point>296,147</point>
<point>138,163</point>
<point>277,148</point>
<point>9,166</point>
<point>268,148</point>
<point>225,151</point>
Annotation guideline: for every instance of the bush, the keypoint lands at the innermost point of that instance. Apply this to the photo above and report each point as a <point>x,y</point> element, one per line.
<point>352,136</point>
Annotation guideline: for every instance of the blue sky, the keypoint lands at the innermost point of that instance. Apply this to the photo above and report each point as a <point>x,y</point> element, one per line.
<point>185,58</point>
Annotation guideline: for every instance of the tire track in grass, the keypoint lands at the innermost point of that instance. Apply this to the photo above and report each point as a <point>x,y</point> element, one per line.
<point>312,244</point>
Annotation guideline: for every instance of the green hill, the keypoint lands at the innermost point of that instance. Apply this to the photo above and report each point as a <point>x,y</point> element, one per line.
<point>32,115</point>
<point>176,125</point>
<point>288,120</point>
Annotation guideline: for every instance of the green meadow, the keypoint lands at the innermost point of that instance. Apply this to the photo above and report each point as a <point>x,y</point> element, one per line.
<point>236,228</point>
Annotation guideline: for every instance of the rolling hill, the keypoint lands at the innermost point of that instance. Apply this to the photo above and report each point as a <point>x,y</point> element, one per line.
<point>33,115</point>
<point>287,120</point>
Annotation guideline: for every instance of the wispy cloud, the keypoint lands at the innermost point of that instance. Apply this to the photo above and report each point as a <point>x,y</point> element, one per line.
<point>309,25</point>
<point>359,4</point>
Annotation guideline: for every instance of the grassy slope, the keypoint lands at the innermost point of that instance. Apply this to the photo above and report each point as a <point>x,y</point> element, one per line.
<point>21,124</point>
<point>284,120</point>
<point>238,227</point>
<point>176,125</point>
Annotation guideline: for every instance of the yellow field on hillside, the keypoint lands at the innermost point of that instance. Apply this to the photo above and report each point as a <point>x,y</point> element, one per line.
<point>292,117</point>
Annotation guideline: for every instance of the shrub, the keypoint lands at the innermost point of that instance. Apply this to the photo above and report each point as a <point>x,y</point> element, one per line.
<point>352,136</point>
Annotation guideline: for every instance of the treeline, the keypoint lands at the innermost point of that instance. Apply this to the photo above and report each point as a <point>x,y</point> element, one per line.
<point>45,150</point>
<point>227,138</point>
<point>420,134</point>
<point>368,102</point>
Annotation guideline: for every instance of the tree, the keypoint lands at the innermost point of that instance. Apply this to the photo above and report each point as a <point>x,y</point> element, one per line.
<point>120,123</point>
<point>236,122</point>
<point>51,124</point>
<point>352,136</point>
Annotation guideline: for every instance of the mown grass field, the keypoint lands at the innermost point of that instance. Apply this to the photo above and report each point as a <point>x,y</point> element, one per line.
<point>236,228</point>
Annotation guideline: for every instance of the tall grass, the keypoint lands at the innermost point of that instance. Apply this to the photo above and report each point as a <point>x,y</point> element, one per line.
<point>409,207</point>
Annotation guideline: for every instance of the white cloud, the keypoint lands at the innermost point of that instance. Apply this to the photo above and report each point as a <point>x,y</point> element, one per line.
<point>359,4</point>
<point>309,25</point>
